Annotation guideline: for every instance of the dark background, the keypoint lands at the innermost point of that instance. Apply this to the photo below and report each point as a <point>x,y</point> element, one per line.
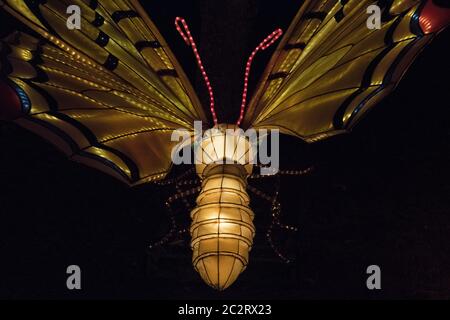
<point>378,196</point>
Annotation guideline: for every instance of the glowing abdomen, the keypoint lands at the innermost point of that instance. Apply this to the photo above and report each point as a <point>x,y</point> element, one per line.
<point>222,227</point>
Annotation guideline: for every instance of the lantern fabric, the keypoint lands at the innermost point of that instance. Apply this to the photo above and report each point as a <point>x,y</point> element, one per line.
<point>222,227</point>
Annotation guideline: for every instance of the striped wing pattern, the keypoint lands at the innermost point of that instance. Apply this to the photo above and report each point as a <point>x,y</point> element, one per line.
<point>108,95</point>
<point>330,68</point>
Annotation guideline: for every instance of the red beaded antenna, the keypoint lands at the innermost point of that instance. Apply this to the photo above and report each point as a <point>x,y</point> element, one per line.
<point>266,43</point>
<point>180,24</point>
<point>187,37</point>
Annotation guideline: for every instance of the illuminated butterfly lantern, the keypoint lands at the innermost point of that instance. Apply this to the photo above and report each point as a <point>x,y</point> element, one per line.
<point>111,94</point>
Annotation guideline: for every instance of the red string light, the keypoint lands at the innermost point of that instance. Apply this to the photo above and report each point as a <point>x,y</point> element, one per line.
<point>187,37</point>
<point>266,43</point>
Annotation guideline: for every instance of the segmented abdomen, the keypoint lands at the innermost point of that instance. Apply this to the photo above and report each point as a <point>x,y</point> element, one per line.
<point>222,227</point>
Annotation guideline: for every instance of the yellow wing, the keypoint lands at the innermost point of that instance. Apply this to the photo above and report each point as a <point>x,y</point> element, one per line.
<point>109,94</point>
<point>330,68</point>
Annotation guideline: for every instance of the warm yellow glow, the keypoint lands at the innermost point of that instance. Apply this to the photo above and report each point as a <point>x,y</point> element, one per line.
<point>222,227</point>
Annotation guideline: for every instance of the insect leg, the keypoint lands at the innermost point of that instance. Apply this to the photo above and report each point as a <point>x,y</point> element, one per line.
<point>175,180</point>
<point>283,173</point>
<point>276,212</point>
<point>174,226</point>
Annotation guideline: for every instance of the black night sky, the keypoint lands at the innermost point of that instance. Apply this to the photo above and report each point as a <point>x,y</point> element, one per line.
<point>378,196</point>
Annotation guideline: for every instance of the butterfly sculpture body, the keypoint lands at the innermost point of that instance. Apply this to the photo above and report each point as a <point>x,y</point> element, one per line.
<point>110,95</point>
